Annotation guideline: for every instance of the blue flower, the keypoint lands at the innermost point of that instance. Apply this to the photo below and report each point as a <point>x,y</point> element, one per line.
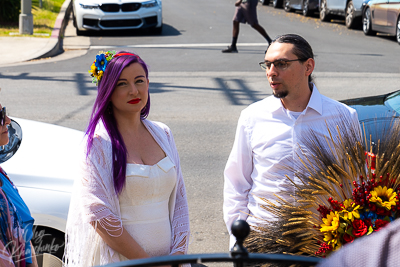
<point>101,62</point>
<point>368,215</point>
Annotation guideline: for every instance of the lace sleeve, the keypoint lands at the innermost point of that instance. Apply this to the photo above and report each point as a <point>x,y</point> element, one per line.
<point>180,221</point>
<point>97,191</point>
<point>93,203</point>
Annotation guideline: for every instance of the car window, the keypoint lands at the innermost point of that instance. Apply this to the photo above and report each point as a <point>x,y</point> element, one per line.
<point>393,101</point>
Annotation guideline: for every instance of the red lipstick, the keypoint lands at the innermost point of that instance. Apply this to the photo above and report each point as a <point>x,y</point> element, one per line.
<point>134,101</point>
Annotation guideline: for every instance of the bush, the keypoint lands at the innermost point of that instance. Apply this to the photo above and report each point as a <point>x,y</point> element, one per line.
<point>9,10</point>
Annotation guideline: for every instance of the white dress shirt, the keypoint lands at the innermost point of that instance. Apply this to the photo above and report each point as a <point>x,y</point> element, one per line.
<point>268,137</point>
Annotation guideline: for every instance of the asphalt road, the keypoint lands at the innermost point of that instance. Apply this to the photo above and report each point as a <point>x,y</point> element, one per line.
<point>198,91</point>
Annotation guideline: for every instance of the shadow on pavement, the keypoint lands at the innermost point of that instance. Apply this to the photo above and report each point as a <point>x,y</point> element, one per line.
<point>167,30</point>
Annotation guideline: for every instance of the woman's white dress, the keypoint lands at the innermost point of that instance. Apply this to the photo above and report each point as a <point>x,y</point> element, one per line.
<point>145,205</point>
<point>94,202</point>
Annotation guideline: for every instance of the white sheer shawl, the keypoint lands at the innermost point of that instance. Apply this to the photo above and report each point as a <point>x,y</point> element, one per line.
<point>95,201</point>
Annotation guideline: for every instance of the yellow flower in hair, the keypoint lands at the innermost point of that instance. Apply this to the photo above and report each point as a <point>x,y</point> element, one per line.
<point>350,210</point>
<point>100,75</point>
<point>384,197</point>
<point>92,70</point>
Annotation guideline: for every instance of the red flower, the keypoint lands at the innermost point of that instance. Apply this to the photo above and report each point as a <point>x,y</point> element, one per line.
<point>348,238</point>
<point>368,222</point>
<point>381,211</point>
<point>359,228</point>
<point>379,224</point>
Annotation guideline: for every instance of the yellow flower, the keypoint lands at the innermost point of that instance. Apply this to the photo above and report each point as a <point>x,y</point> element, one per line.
<point>384,197</point>
<point>93,70</point>
<point>331,222</point>
<point>100,75</point>
<point>332,239</point>
<point>337,245</point>
<point>350,210</point>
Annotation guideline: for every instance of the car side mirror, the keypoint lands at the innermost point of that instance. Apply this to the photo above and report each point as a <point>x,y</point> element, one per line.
<point>15,139</point>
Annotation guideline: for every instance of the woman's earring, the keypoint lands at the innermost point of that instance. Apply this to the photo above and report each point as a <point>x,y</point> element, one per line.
<point>109,109</point>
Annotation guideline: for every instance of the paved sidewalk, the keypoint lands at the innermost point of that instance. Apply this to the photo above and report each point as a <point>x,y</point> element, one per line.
<point>15,49</point>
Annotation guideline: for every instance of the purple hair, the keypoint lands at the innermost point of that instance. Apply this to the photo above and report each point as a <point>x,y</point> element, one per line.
<point>101,111</point>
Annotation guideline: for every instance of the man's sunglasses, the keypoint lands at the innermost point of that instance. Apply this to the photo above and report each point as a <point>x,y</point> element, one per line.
<point>3,116</point>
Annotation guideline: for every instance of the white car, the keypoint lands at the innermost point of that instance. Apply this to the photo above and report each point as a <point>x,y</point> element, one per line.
<point>43,169</point>
<point>117,15</point>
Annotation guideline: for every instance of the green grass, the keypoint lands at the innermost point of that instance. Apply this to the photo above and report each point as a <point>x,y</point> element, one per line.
<point>43,19</point>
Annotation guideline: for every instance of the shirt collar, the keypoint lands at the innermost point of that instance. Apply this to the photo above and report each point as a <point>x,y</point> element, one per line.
<point>276,104</point>
<point>315,102</point>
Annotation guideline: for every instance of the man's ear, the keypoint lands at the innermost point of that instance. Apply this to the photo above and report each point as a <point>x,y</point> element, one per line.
<point>310,64</point>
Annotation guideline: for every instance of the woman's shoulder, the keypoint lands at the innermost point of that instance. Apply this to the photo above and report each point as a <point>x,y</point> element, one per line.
<point>101,143</point>
<point>160,126</point>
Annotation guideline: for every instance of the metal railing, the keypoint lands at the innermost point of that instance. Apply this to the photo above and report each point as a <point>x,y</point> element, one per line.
<point>238,255</point>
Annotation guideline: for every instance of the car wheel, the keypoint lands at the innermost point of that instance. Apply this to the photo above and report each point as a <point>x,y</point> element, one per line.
<point>323,11</point>
<point>350,15</point>
<point>287,6</point>
<point>265,2</point>
<point>398,31</point>
<point>305,9</point>
<point>48,240</point>
<point>277,3</point>
<point>74,19</point>
<point>78,32</point>
<point>367,22</point>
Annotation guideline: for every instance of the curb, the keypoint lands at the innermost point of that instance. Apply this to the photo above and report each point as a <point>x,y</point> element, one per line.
<point>55,45</point>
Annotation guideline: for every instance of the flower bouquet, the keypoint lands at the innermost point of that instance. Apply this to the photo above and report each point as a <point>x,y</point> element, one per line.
<point>346,187</point>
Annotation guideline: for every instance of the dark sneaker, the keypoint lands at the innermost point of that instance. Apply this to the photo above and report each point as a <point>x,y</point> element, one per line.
<point>230,49</point>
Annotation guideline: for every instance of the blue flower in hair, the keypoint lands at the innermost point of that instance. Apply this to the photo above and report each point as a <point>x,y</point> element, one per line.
<point>101,62</point>
<point>99,65</point>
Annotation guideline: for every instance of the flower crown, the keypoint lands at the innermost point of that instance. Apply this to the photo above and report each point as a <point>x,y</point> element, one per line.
<point>100,64</point>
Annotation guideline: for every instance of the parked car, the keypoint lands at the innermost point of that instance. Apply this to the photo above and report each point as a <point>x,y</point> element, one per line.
<point>351,10</point>
<point>376,113</point>
<point>117,15</point>
<point>41,160</point>
<point>382,16</point>
<point>307,7</point>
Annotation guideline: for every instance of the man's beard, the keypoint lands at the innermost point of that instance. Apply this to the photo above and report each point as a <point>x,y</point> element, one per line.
<point>280,94</point>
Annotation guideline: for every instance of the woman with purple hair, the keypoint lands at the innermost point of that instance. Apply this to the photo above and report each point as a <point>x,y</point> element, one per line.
<point>130,201</point>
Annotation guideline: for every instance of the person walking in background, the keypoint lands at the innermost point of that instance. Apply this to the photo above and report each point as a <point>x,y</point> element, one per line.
<point>269,132</point>
<point>130,200</point>
<point>246,12</point>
